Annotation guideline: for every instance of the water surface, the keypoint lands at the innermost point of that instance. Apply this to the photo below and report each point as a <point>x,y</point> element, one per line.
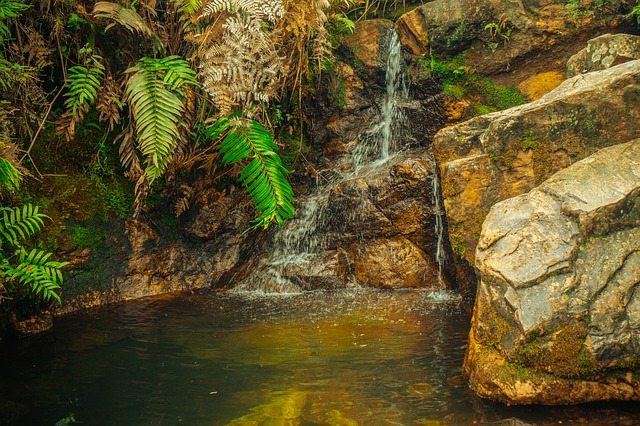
<point>342,358</point>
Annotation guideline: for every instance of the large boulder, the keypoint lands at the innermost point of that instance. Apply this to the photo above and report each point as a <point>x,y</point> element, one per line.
<point>557,314</point>
<point>500,155</point>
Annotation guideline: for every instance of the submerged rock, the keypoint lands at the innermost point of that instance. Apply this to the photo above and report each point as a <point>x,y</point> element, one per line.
<point>500,155</point>
<point>557,314</point>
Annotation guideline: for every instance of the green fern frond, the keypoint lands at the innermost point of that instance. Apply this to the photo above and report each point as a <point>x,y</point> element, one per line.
<point>9,9</point>
<point>156,94</point>
<point>10,177</point>
<point>264,176</point>
<point>83,84</point>
<point>36,270</point>
<point>128,18</point>
<point>188,7</point>
<point>17,224</point>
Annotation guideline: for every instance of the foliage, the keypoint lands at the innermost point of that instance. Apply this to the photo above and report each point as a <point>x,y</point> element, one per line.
<point>264,175</point>
<point>636,12</point>
<point>10,177</point>
<point>500,28</point>
<point>27,268</point>
<point>461,81</point>
<point>83,83</point>
<point>9,9</point>
<point>156,93</point>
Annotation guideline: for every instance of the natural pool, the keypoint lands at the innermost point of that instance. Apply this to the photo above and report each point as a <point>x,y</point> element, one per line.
<point>340,358</point>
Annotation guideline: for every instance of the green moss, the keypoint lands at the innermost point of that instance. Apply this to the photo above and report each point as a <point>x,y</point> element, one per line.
<point>561,354</point>
<point>496,96</point>
<point>529,142</point>
<point>86,236</point>
<point>458,245</point>
<point>460,81</point>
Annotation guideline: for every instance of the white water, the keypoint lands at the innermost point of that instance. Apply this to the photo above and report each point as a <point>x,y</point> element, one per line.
<point>438,212</point>
<point>379,143</point>
<point>300,242</point>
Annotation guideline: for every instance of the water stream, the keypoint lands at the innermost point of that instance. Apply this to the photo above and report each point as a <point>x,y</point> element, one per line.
<point>351,357</point>
<point>303,239</point>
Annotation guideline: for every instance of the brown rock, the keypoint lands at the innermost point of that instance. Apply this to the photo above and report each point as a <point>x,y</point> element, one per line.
<point>556,314</point>
<point>504,154</point>
<point>365,41</point>
<point>414,36</point>
<point>394,263</point>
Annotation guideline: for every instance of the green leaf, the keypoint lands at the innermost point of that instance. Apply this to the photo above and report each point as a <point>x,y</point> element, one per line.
<point>156,93</point>
<point>264,176</point>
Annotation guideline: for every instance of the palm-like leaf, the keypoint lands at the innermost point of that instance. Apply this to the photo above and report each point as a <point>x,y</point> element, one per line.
<point>264,176</point>
<point>17,224</point>
<point>128,18</point>
<point>35,269</point>
<point>10,177</point>
<point>9,9</point>
<point>83,84</point>
<point>156,94</point>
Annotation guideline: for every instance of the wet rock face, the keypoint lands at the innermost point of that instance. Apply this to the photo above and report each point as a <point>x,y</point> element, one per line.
<point>504,154</point>
<point>211,247</point>
<point>604,52</point>
<point>557,309</point>
<point>380,231</point>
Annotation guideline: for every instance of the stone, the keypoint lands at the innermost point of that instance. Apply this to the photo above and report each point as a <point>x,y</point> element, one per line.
<point>604,52</point>
<point>504,154</point>
<point>513,40</point>
<point>413,31</point>
<point>557,316</point>
<point>540,84</point>
<point>380,233</point>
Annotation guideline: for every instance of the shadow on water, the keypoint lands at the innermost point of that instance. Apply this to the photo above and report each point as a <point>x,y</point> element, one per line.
<point>340,358</point>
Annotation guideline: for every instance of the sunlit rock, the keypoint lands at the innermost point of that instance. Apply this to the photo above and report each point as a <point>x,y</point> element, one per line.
<point>504,154</point>
<point>604,52</point>
<point>556,319</point>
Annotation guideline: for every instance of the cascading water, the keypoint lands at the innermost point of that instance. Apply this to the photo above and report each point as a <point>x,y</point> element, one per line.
<point>302,241</point>
<point>438,210</point>
<point>377,144</point>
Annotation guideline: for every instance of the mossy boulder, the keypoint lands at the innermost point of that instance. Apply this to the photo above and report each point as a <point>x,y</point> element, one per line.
<point>504,154</point>
<point>557,310</point>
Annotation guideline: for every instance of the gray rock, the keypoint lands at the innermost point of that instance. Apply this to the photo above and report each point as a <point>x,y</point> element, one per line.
<point>505,154</point>
<point>604,52</point>
<point>557,300</point>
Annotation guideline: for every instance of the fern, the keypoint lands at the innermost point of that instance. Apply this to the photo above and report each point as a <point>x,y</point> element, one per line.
<point>10,177</point>
<point>34,268</point>
<point>83,83</point>
<point>18,224</point>
<point>264,176</point>
<point>9,9</point>
<point>128,18</point>
<point>156,93</point>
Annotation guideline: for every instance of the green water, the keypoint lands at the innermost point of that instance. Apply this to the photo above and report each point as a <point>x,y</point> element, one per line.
<point>347,358</point>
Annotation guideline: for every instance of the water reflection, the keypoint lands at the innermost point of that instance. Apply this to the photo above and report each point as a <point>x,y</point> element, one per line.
<point>344,358</point>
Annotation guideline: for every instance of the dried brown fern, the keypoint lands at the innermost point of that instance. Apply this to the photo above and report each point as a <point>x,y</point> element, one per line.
<point>108,103</point>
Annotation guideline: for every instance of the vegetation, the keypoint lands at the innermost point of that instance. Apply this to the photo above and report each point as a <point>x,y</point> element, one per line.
<point>461,81</point>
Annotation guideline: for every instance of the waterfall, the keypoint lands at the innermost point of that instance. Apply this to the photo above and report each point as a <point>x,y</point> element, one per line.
<point>296,246</point>
<point>378,143</point>
<point>438,211</point>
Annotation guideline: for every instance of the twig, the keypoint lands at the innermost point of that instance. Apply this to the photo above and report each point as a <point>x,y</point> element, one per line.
<point>44,120</point>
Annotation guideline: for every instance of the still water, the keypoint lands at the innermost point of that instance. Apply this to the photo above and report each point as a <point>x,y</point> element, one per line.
<point>341,358</point>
